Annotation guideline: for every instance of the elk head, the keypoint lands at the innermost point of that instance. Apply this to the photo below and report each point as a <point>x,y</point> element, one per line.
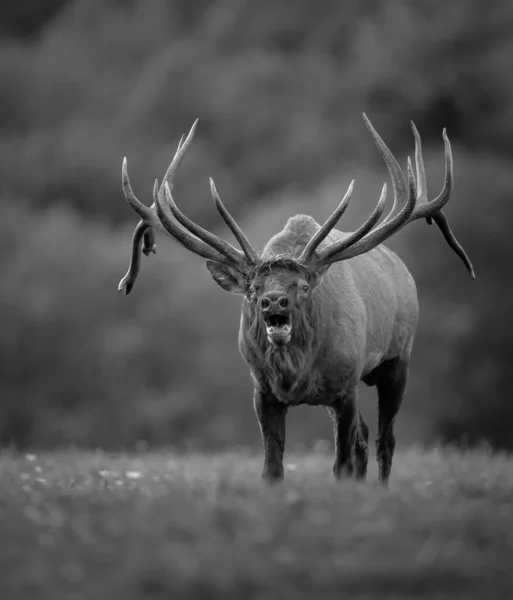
<point>277,293</point>
<point>276,287</point>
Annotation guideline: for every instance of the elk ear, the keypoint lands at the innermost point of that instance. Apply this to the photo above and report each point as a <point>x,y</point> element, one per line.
<point>229,278</point>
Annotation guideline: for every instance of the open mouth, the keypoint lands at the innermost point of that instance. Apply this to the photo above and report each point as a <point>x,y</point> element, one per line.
<point>279,328</point>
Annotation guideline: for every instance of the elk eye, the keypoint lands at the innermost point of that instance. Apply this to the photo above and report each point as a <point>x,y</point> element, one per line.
<point>305,288</point>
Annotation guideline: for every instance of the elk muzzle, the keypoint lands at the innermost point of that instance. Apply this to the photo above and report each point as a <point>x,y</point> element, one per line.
<point>274,307</point>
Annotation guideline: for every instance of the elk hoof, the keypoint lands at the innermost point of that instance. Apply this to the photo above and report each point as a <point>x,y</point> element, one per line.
<point>274,476</point>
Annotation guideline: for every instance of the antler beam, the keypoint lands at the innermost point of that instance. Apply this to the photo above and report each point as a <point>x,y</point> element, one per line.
<point>409,197</point>
<point>189,234</point>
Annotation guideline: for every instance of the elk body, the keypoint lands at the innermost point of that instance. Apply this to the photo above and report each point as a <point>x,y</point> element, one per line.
<point>322,310</point>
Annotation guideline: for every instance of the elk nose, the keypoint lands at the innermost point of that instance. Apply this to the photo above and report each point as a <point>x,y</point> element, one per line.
<point>274,300</point>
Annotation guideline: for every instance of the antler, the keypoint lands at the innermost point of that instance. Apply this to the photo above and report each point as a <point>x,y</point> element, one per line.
<point>410,198</point>
<point>186,232</point>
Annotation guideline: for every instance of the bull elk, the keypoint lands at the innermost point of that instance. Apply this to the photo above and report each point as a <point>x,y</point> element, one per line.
<point>322,310</point>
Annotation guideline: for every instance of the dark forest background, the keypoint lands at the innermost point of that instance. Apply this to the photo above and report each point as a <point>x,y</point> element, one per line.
<point>279,87</point>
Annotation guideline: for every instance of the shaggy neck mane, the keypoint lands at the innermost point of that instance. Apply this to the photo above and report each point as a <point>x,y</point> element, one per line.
<point>285,367</point>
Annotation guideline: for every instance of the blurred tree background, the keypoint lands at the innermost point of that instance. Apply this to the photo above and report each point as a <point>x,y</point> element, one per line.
<point>279,87</point>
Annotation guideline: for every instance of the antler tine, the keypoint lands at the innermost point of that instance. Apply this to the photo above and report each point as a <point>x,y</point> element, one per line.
<point>211,239</point>
<point>330,223</point>
<point>240,236</point>
<point>425,208</point>
<point>443,224</point>
<point>432,211</point>
<point>186,239</point>
<point>404,196</point>
<point>126,284</point>
<point>422,196</point>
<point>149,246</point>
<point>180,141</point>
<point>148,214</point>
<point>328,254</point>
<point>144,235</point>
<point>142,210</point>
<point>183,145</point>
<point>394,170</point>
<point>412,186</point>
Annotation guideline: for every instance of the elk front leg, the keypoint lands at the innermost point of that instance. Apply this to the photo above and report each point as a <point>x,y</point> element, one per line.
<point>351,434</point>
<point>271,415</point>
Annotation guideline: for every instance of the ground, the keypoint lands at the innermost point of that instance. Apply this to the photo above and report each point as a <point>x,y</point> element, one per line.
<point>99,526</point>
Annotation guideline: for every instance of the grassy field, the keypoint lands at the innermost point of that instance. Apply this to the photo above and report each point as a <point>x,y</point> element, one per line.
<point>96,526</point>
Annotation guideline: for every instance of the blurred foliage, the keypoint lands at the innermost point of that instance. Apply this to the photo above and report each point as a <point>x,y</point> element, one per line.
<point>279,87</point>
<point>25,19</point>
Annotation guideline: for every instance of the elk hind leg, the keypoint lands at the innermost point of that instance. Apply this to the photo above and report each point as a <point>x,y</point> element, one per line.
<point>361,448</point>
<point>351,435</point>
<point>391,378</point>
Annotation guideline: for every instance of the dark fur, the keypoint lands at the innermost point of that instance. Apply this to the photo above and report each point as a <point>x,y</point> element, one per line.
<point>282,367</point>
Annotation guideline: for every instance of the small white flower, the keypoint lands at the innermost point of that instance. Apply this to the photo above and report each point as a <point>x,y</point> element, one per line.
<point>133,474</point>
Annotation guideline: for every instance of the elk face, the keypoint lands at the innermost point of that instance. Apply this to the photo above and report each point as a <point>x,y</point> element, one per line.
<point>277,293</point>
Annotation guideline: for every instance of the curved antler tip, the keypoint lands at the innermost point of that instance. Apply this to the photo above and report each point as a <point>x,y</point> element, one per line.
<point>125,180</point>
<point>213,189</point>
<point>126,285</point>
<point>368,123</point>
<point>351,186</point>
<point>444,134</point>
<point>377,140</point>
